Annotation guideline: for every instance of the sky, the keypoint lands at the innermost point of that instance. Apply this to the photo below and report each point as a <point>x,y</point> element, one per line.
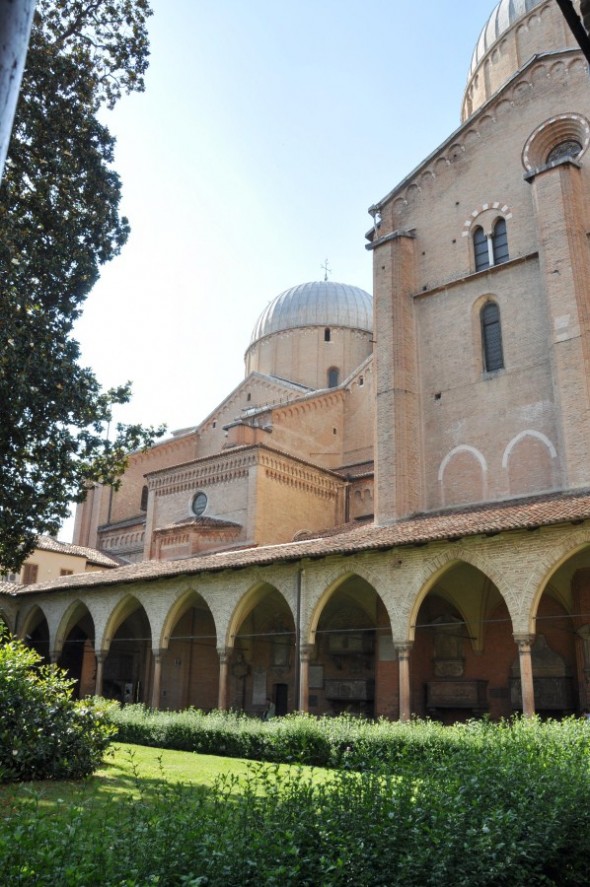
<point>266,130</point>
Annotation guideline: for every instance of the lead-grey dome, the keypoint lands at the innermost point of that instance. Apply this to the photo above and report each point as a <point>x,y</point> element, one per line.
<point>322,303</point>
<point>503,16</point>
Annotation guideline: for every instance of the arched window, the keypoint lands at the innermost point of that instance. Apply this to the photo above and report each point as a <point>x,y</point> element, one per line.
<point>566,150</point>
<point>333,377</point>
<point>491,338</point>
<point>500,242</point>
<point>144,499</point>
<point>327,334</point>
<point>480,250</point>
<point>490,249</point>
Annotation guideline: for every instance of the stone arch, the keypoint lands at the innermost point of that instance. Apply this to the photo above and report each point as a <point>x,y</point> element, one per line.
<point>74,647</point>
<point>352,649</point>
<point>248,601</point>
<point>532,468</point>
<point>331,584</point>
<point>261,639</point>
<point>471,472</point>
<point>183,602</point>
<point>461,633</point>
<point>128,666</point>
<point>546,566</point>
<point>559,622</point>
<point>34,630</point>
<point>71,615</point>
<point>124,608</point>
<point>433,570</point>
<point>6,620</point>
<point>188,649</point>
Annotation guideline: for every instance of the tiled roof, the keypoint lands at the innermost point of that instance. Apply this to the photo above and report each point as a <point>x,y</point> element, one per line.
<point>452,524</point>
<point>48,543</point>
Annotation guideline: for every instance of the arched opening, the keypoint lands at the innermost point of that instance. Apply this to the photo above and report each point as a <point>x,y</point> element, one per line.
<point>561,650</point>
<point>35,633</point>
<point>480,250</point>
<point>190,667</point>
<point>128,666</point>
<point>333,377</point>
<point>353,669</point>
<point>263,664</point>
<point>77,655</point>
<point>500,242</point>
<point>460,663</point>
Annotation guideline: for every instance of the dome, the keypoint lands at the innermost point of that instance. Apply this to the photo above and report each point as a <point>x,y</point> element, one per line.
<point>322,303</point>
<point>504,47</point>
<point>503,17</point>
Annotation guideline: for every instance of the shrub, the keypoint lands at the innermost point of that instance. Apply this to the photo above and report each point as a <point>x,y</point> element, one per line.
<point>44,733</point>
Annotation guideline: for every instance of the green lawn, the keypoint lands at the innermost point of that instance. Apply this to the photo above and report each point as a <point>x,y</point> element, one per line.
<point>130,770</point>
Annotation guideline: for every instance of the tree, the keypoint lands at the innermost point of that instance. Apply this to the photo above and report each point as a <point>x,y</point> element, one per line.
<point>44,732</point>
<point>59,222</point>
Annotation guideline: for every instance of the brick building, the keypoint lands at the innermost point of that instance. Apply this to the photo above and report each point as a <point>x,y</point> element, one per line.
<point>393,523</point>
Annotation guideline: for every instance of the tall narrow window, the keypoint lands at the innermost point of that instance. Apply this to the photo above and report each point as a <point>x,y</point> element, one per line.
<point>500,242</point>
<point>144,499</point>
<point>333,377</point>
<point>491,335</point>
<point>480,250</point>
<point>327,334</point>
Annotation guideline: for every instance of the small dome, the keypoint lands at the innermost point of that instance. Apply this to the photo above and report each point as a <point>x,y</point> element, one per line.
<point>503,17</point>
<point>323,303</point>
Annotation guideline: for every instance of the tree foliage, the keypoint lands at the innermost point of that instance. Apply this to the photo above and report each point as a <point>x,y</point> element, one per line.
<point>59,222</point>
<point>44,733</point>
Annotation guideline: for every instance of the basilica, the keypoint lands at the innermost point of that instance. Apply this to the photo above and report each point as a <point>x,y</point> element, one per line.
<point>390,514</point>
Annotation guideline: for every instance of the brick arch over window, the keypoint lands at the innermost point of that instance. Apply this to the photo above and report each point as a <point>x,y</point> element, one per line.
<point>488,230</point>
<point>531,462</point>
<point>462,476</point>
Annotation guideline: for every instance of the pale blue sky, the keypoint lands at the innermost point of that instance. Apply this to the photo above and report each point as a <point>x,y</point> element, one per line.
<point>266,131</point>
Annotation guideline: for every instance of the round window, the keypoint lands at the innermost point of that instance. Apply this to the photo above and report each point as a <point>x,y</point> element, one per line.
<point>199,503</point>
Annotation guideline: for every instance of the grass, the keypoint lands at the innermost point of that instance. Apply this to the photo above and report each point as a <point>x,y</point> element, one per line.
<point>479,805</point>
<point>132,770</point>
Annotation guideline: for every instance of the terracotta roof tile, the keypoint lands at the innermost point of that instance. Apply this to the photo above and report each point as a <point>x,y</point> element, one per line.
<point>451,524</point>
<point>48,543</point>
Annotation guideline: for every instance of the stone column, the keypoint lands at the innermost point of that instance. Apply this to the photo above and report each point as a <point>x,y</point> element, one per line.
<point>157,682</point>
<point>54,656</point>
<point>224,659</point>
<point>403,664</point>
<point>304,657</point>
<point>525,643</point>
<point>101,656</point>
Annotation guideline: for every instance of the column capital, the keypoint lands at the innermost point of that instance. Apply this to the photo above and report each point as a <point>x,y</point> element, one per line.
<point>306,652</point>
<point>523,640</point>
<point>403,649</point>
<point>159,652</point>
<point>224,654</point>
<point>101,655</point>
